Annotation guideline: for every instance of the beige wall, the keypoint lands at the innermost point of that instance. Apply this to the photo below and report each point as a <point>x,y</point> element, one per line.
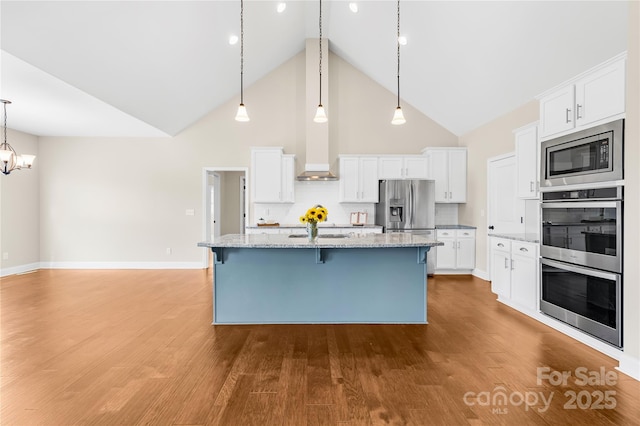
<point>631,312</point>
<point>123,200</point>
<point>492,139</point>
<point>19,209</point>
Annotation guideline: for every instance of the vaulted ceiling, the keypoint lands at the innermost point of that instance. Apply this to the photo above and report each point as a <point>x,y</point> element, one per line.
<point>152,68</point>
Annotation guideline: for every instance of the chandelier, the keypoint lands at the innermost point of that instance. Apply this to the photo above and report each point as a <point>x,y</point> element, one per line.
<point>9,160</point>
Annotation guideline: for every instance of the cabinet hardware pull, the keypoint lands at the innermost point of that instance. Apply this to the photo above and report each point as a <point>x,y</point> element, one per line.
<point>458,245</point>
<point>512,268</point>
<point>506,264</point>
<point>567,115</point>
<point>531,186</point>
<point>523,249</point>
<point>450,196</point>
<point>445,195</point>
<point>500,245</point>
<point>578,116</point>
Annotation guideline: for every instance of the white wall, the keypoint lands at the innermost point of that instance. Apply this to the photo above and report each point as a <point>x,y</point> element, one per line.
<point>19,210</point>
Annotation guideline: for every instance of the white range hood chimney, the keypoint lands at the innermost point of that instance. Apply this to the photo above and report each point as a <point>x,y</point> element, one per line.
<point>316,166</point>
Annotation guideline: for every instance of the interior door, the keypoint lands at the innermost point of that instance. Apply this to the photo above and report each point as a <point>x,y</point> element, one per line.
<point>506,210</point>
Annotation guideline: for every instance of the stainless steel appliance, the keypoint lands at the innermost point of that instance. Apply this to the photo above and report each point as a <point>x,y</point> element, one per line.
<point>586,298</point>
<point>408,206</point>
<point>583,227</point>
<point>587,156</point>
<point>581,265</point>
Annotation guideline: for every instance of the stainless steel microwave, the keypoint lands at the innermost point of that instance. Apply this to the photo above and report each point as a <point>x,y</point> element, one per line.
<point>591,155</point>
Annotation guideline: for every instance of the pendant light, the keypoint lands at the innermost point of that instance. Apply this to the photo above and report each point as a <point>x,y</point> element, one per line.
<point>321,116</point>
<point>242,115</point>
<point>398,116</point>
<point>9,160</point>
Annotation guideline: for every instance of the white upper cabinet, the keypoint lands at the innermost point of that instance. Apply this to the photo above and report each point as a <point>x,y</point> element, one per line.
<point>272,176</point>
<point>358,179</point>
<point>402,167</point>
<point>592,98</point>
<point>527,161</point>
<point>448,167</point>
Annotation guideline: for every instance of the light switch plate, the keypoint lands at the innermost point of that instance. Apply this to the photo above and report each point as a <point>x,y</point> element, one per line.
<point>190,212</point>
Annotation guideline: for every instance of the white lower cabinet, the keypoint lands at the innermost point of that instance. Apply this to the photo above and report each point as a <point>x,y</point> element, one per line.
<point>458,251</point>
<point>514,273</point>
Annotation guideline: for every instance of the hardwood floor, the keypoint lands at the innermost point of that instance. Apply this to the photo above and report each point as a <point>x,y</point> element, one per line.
<point>138,347</point>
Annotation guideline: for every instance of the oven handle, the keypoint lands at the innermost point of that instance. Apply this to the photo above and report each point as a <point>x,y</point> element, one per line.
<point>580,270</point>
<point>581,204</point>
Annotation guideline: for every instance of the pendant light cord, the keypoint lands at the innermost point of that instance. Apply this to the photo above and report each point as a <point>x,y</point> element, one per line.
<point>5,122</point>
<point>398,44</point>
<point>320,43</point>
<point>241,51</point>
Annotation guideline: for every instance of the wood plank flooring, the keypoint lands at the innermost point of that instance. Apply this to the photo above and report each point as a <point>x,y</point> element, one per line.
<point>138,347</point>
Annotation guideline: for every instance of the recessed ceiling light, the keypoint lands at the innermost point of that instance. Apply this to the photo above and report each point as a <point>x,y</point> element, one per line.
<point>402,40</point>
<point>353,6</point>
<point>281,7</point>
<point>233,39</point>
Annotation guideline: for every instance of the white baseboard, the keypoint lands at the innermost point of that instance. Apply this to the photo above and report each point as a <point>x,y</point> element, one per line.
<point>21,269</point>
<point>121,265</point>
<point>483,275</point>
<point>630,366</point>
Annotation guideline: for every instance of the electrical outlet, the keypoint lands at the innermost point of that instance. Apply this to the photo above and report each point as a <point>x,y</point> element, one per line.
<point>168,250</point>
<point>5,256</point>
<point>190,212</point>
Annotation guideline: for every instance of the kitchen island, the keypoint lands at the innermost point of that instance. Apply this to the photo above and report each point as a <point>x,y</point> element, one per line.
<point>371,278</point>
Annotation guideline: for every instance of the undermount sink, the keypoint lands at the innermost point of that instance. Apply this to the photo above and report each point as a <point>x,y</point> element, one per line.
<point>320,236</point>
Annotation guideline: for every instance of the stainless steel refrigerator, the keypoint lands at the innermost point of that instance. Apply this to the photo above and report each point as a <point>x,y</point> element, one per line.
<point>408,206</point>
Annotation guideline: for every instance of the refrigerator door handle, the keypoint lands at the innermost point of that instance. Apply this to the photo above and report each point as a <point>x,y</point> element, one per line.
<point>411,205</point>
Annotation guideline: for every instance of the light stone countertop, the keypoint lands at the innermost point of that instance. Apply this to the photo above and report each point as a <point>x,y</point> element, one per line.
<point>455,227</point>
<point>355,241</point>
<point>528,238</point>
<point>321,226</point>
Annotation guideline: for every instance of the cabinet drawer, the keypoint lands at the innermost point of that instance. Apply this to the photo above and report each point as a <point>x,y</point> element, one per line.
<point>445,233</point>
<point>524,249</point>
<point>465,233</point>
<point>500,244</point>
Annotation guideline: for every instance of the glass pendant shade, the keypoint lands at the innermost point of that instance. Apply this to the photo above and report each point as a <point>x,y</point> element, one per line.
<point>321,116</point>
<point>27,160</point>
<point>242,115</point>
<point>5,155</point>
<point>398,117</point>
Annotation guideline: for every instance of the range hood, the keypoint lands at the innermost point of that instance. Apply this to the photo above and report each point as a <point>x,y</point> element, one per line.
<point>316,166</point>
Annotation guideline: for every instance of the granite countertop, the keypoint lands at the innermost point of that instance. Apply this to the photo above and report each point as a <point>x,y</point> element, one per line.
<point>455,227</point>
<point>321,225</point>
<point>284,241</point>
<point>529,238</point>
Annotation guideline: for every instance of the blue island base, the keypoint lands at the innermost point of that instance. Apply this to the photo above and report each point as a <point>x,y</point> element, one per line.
<point>320,285</point>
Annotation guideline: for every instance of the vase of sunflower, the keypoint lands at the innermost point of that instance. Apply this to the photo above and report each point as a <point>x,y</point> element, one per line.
<point>314,215</point>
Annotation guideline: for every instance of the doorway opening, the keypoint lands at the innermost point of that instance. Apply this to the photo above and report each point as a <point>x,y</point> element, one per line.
<point>224,203</point>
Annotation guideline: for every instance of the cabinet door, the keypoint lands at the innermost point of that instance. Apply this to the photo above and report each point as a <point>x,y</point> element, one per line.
<point>466,255</point>
<point>369,180</point>
<point>349,179</point>
<point>457,176</point>
<point>438,171</point>
<point>390,168</point>
<point>527,155</point>
<point>416,167</point>
<point>523,280</point>
<point>446,254</point>
<point>501,273</point>
<point>267,176</point>
<point>601,94</point>
<point>557,111</point>
<point>288,178</point>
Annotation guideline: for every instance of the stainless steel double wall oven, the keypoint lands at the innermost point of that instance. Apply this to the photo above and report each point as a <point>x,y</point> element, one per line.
<point>582,229</point>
